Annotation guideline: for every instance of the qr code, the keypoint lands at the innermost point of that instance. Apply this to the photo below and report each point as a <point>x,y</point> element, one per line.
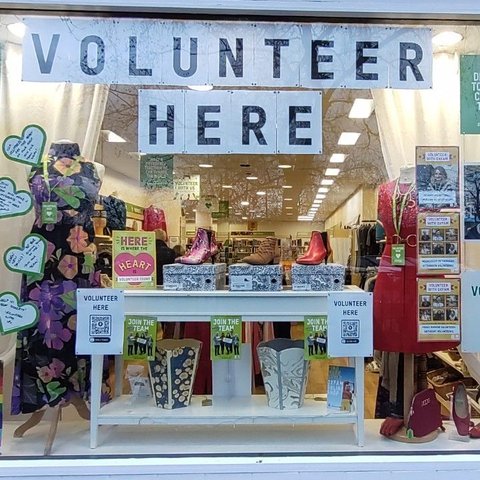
<point>350,331</point>
<point>100,325</point>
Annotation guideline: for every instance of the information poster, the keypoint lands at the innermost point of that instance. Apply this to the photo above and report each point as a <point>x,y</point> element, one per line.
<point>469,94</point>
<point>187,187</point>
<point>100,317</point>
<point>437,177</point>
<point>438,309</point>
<point>471,201</point>
<point>438,243</point>
<point>139,338</point>
<point>156,171</point>
<point>226,335</point>
<point>315,337</point>
<point>134,259</point>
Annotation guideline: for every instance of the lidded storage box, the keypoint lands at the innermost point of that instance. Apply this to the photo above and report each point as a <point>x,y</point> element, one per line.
<point>206,276</point>
<point>245,277</point>
<point>324,277</point>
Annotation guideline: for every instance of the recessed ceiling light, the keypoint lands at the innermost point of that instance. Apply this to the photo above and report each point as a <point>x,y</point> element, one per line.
<point>361,108</point>
<point>288,208</point>
<point>326,181</point>
<point>251,177</point>
<point>194,210</point>
<point>317,201</point>
<point>323,189</point>
<point>244,218</point>
<point>261,193</point>
<point>112,137</point>
<point>305,218</point>
<point>289,214</point>
<point>446,39</point>
<point>201,88</point>
<point>288,199</point>
<point>286,186</point>
<point>252,211</point>
<point>285,166</point>
<point>348,138</point>
<point>18,29</point>
<point>320,196</point>
<point>205,165</point>
<point>332,172</point>
<point>230,208</point>
<point>227,186</point>
<point>338,158</point>
<point>244,203</point>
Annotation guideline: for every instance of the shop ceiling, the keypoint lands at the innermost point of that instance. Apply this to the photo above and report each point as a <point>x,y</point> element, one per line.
<point>290,182</point>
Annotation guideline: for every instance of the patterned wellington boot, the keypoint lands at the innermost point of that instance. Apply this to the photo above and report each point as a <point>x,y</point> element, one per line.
<point>265,253</point>
<point>200,251</point>
<point>316,252</point>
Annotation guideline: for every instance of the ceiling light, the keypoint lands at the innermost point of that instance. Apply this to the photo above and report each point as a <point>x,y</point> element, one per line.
<point>252,211</point>
<point>244,218</point>
<point>230,208</point>
<point>332,172</point>
<point>289,214</point>
<point>244,203</point>
<point>286,186</point>
<point>338,158</point>
<point>320,196</point>
<point>313,208</point>
<point>317,201</point>
<point>18,29</point>
<point>201,88</point>
<point>194,210</point>
<point>287,199</point>
<point>323,190</point>
<point>446,39</point>
<point>227,186</point>
<point>304,218</point>
<point>205,165</point>
<point>288,208</point>
<point>326,181</point>
<point>112,137</point>
<point>361,108</point>
<point>251,177</point>
<point>261,193</point>
<point>285,166</point>
<point>348,138</point>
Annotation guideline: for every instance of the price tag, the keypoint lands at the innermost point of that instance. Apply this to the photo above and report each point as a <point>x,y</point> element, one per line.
<point>241,282</point>
<point>398,255</point>
<point>49,213</point>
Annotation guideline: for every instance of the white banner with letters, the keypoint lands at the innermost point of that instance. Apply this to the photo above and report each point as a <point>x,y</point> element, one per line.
<point>470,330</point>
<point>225,121</point>
<point>182,53</point>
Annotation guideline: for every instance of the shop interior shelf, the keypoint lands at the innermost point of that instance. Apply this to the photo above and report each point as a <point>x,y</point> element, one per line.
<point>445,358</point>
<point>238,410</point>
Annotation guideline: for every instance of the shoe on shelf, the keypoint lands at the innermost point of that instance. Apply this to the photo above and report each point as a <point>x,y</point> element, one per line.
<point>265,253</point>
<point>201,250</point>
<point>316,252</point>
<point>461,410</point>
<point>475,431</point>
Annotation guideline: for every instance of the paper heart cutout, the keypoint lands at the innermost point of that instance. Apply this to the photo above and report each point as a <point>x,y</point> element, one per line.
<point>28,148</point>
<point>16,316</point>
<point>30,258</point>
<point>128,265</point>
<point>13,202</point>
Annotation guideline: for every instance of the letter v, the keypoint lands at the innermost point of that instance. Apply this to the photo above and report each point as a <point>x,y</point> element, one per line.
<point>45,65</point>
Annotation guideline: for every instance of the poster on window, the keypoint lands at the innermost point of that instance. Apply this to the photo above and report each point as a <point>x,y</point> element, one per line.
<point>437,177</point>
<point>226,334</point>
<point>438,243</point>
<point>315,337</point>
<point>134,259</point>
<point>438,309</point>
<point>471,202</point>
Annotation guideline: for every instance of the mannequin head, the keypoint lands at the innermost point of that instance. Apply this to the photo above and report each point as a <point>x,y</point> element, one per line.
<point>64,148</point>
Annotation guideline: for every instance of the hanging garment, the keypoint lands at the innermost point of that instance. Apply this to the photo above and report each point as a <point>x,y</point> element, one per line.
<point>154,219</point>
<point>47,371</point>
<point>395,294</point>
<point>116,213</point>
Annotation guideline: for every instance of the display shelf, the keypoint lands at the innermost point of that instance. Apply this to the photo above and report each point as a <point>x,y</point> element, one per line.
<point>240,410</point>
<point>193,306</point>
<point>445,358</point>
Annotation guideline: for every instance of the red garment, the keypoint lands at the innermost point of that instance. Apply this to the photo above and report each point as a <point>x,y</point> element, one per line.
<point>395,294</point>
<point>154,219</point>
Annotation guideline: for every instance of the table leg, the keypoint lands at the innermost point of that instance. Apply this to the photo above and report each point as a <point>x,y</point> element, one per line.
<point>95,400</point>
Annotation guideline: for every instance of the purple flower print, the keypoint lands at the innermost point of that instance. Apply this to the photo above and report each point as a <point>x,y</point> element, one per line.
<point>56,335</point>
<point>57,367</point>
<point>46,319</point>
<point>39,192</point>
<point>47,296</point>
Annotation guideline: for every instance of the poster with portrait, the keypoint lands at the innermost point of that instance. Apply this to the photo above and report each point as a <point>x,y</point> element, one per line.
<point>225,337</point>
<point>471,202</point>
<point>438,243</point>
<point>438,309</point>
<point>315,337</point>
<point>437,178</point>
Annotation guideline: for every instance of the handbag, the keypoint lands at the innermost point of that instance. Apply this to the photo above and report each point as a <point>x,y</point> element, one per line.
<point>425,414</point>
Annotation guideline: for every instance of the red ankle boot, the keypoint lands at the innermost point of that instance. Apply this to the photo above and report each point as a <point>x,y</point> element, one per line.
<point>316,252</point>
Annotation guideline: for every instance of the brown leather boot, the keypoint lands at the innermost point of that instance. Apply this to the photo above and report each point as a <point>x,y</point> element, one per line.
<point>265,254</point>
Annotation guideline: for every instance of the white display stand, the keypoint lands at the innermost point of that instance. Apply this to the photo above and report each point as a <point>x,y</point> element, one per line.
<point>172,306</point>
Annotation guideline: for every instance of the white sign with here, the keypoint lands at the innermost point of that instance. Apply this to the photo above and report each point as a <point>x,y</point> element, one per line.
<point>470,295</point>
<point>100,319</point>
<point>350,324</point>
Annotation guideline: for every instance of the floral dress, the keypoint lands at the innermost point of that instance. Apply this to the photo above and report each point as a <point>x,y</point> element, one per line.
<point>47,371</point>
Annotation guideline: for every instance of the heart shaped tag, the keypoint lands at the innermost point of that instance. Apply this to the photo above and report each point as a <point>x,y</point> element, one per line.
<point>30,258</point>
<point>16,316</point>
<point>28,148</point>
<point>13,203</point>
